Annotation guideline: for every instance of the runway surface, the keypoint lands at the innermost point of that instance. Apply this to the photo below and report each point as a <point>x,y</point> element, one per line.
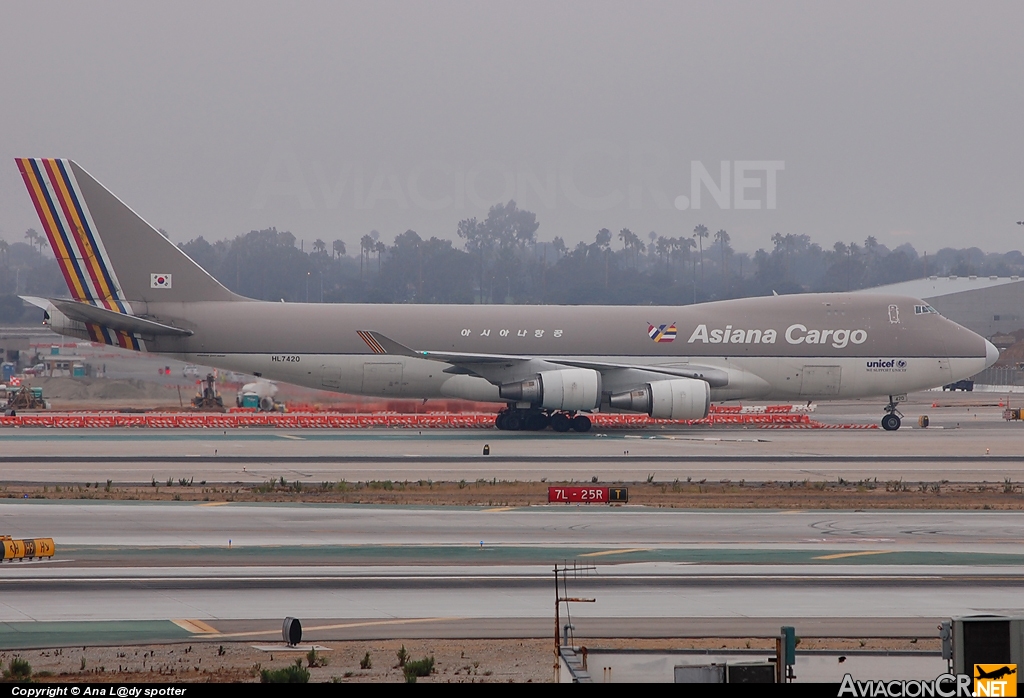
<point>142,571</point>
<point>177,524</point>
<point>360,571</point>
<point>990,451</point>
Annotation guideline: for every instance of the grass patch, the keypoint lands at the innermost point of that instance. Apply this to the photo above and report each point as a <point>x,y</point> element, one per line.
<point>290,674</point>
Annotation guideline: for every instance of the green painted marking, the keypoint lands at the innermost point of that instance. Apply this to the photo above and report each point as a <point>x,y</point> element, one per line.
<point>511,554</point>
<point>29,634</point>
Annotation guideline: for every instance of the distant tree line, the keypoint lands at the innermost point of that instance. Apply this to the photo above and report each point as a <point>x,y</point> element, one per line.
<point>500,259</point>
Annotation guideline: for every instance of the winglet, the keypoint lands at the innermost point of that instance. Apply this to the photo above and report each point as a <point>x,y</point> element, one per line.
<point>379,344</point>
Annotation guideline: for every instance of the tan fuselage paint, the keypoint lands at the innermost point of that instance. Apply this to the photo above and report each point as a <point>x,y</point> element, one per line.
<point>800,346</point>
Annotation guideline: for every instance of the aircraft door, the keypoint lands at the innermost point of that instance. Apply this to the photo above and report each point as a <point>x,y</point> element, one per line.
<point>331,377</point>
<point>382,379</point>
<point>820,380</point>
<point>945,372</point>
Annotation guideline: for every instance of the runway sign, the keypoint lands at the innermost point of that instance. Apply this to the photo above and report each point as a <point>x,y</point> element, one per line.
<point>588,495</point>
<point>29,548</point>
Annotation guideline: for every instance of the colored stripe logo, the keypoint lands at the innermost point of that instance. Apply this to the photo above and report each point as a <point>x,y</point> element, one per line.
<point>662,333</point>
<point>374,345</point>
<point>73,238</point>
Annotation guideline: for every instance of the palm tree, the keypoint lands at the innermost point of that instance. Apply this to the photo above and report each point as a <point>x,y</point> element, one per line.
<point>675,247</point>
<point>632,242</point>
<point>722,238</point>
<point>380,248</point>
<point>662,246</point>
<point>319,246</point>
<point>338,248</point>
<point>701,232</point>
<point>626,237</point>
<point>4,250</point>
<point>32,236</point>
<point>365,246</point>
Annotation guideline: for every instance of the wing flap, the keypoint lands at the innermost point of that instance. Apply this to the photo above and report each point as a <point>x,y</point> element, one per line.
<point>381,344</point>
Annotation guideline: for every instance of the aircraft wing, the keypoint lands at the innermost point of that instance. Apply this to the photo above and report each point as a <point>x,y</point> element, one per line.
<point>88,313</point>
<point>381,344</point>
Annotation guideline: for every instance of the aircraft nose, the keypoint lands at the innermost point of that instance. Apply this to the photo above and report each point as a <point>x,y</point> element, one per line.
<point>991,353</point>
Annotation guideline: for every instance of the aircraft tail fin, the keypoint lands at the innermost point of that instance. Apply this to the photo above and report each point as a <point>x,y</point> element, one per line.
<point>108,254</point>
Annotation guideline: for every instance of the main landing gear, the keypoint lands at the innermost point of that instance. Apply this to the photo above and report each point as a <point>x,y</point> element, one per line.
<point>513,419</point>
<point>891,420</point>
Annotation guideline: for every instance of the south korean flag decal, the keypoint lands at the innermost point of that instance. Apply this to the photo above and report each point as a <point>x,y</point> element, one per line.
<point>159,280</point>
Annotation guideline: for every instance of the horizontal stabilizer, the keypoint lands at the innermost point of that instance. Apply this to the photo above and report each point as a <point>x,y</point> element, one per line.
<point>84,312</point>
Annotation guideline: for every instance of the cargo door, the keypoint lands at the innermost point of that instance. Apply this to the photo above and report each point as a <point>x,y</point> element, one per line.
<point>330,377</point>
<point>820,380</point>
<point>382,379</point>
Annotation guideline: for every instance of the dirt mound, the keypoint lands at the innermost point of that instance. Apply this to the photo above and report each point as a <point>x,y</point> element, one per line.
<point>1013,354</point>
<point>99,389</point>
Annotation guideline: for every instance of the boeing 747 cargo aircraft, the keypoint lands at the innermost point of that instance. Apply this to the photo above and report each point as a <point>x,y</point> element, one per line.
<point>550,365</point>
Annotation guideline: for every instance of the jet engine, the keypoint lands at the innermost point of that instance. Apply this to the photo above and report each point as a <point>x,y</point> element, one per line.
<point>565,389</point>
<point>678,398</point>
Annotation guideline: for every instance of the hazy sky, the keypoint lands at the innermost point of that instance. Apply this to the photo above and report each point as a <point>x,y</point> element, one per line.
<point>898,120</point>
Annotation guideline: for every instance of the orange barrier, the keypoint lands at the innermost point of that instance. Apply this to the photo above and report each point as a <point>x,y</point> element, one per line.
<point>819,425</point>
<point>429,420</point>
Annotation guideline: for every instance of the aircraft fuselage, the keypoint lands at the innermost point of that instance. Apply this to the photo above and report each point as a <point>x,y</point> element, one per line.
<point>813,346</point>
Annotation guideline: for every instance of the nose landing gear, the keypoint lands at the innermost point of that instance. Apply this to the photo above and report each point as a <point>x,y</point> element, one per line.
<point>891,420</point>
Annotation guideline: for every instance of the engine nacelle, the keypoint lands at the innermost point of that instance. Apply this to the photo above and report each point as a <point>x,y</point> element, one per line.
<point>565,389</point>
<point>678,398</point>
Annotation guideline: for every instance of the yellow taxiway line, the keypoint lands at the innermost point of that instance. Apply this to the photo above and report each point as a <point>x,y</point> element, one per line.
<point>194,626</point>
<point>856,554</point>
<point>339,626</point>
<point>615,552</point>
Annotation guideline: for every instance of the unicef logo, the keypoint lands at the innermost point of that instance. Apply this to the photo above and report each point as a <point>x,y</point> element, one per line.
<point>901,363</point>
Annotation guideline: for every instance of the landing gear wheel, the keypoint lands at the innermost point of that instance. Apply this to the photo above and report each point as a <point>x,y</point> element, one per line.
<point>499,421</point>
<point>513,421</point>
<point>581,423</point>
<point>535,421</point>
<point>560,422</point>
<point>890,422</point>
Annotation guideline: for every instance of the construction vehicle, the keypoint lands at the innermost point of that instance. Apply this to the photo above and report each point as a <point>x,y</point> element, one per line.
<point>24,397</point>
<point>259,396</point>
<point>208,397</point>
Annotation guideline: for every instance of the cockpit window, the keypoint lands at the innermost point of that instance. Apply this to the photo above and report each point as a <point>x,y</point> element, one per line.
<point>924,310</point>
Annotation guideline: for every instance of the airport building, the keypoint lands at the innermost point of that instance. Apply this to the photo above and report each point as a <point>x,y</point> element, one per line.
<point>988,305</point>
